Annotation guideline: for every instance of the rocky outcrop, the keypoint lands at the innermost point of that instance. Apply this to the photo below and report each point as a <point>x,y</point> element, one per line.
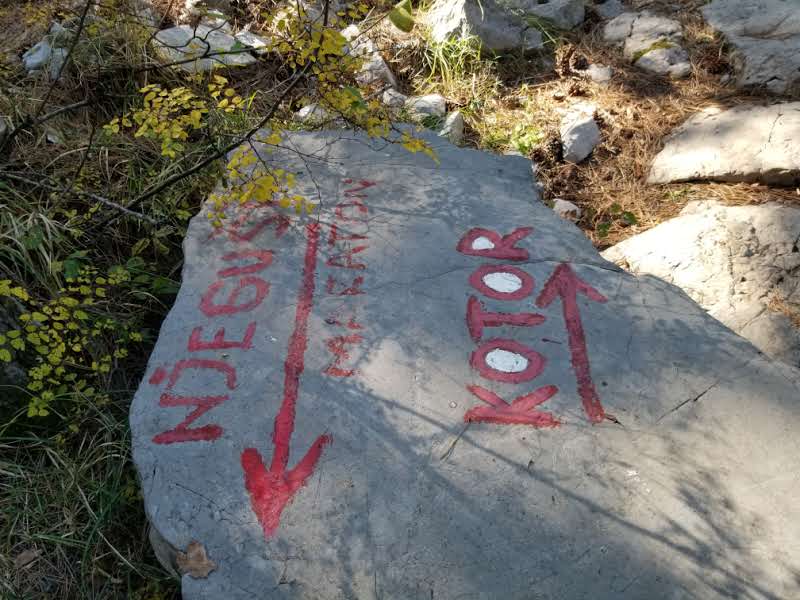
<point>740,263</point>
<point>765,35</point>
<point>579,132</point>
<point>201,48</point>
<point>433,387</point>
<point>651,42</point>
<point>745,143</point>
<point>502,25</point>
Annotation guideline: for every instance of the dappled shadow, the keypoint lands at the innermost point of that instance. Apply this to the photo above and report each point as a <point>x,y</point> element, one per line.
<point>684,491</point>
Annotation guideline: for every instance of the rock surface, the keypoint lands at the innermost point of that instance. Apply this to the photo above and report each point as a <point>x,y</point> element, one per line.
<point>312,114</point>
<point>429,105</point>
<point>393,98</point>
<point>650,41</point>
<point>453,127</point>
<point>566,209</point>
<point>766,38</point>
<point>601,74</point>
<point>498,29</point>
<point>502,24</point>
<point>741,263</point>
<point>621,442</point>
<point>206,45</point>
<point>579,132</point>
<point>608,9</point>
<point>37,57</point>
<point>745,143</point>
<point>374,69</point>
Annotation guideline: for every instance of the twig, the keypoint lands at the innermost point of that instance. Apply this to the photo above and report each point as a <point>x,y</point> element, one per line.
<point>72,46</point>
<point>53,114</point>
<point>30,121</point>
<point>62,190</point>
<point>219,153</point>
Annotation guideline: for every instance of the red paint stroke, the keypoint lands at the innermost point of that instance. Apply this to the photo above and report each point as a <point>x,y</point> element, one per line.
<point>158,376</point>
<point>535,360</point>
<point>211,309</point>
<point>526,287</point>
<point>264,260</point>
<point>335,319</point>
<point>219,342</point>
<point>347,257</point>
<point>272,489</point>
<point>335,236</point>
<point>353,290</point>
<point>337,346</point>
<point>521,411</point>
<point>339,210</point>
<point>502,246</point>
<point>565,284</point>
<point>280,221</point>
<point>362,185</point>
<point>202,363</point>
<point>203,404</point>
<point>478,318</point>
<point>182,432</point>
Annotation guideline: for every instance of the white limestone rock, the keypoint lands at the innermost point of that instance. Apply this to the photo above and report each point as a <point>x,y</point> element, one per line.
<point>37,57</point>
<point>766,37</point>
<point>567,210</point>
<point>608,9</point>
<point>429,105</point>
<point>453,128</point>
<point>208,47</point>
<point>650,41</point>
<point>57,59</point>
<point>744,143</point>
<point>733,261</point>
<point>579,132</point>
<point>375,69</point>
<point>672,61</point>
<point>498,29</point>
<point>303,414</point>
<point>600,74</point>
<point>313,114</point>
<point>393,98</point>
<point>252,40</point>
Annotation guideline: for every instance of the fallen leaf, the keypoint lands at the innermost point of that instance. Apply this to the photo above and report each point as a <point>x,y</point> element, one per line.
<point>194,561</point>
<point>26,558</point>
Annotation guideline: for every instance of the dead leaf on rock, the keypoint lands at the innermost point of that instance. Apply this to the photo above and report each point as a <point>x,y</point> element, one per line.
<point>194,561</point>
<point>26,558</point>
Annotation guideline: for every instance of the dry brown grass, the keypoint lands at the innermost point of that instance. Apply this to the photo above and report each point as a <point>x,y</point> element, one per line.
<point>636,112</point>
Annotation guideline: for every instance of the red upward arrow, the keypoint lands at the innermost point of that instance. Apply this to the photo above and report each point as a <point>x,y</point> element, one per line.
<point>566,284</point>
<point>271,490</point>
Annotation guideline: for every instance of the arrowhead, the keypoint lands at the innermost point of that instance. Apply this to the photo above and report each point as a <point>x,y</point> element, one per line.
<point>271,490</point>
<point>565,283</point>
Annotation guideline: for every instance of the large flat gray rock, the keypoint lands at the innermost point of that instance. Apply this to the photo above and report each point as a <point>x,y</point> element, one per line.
<point>502,24</point>
<point>745,143</point>
<point>651,42</point>
<point>765,35</point>
<point>436,388</point>
<point>201,48</point>
<point>741,263</point>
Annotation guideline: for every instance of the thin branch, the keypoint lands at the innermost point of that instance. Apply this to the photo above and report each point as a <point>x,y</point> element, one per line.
<point>72,46</point>
<point>30,121</point>
<point>222,151</point>
<point>62,190</point>
<point>53,114</point>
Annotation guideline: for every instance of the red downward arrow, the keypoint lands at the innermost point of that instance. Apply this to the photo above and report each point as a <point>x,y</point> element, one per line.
<point>271,490</point>
<point>566,284</point>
